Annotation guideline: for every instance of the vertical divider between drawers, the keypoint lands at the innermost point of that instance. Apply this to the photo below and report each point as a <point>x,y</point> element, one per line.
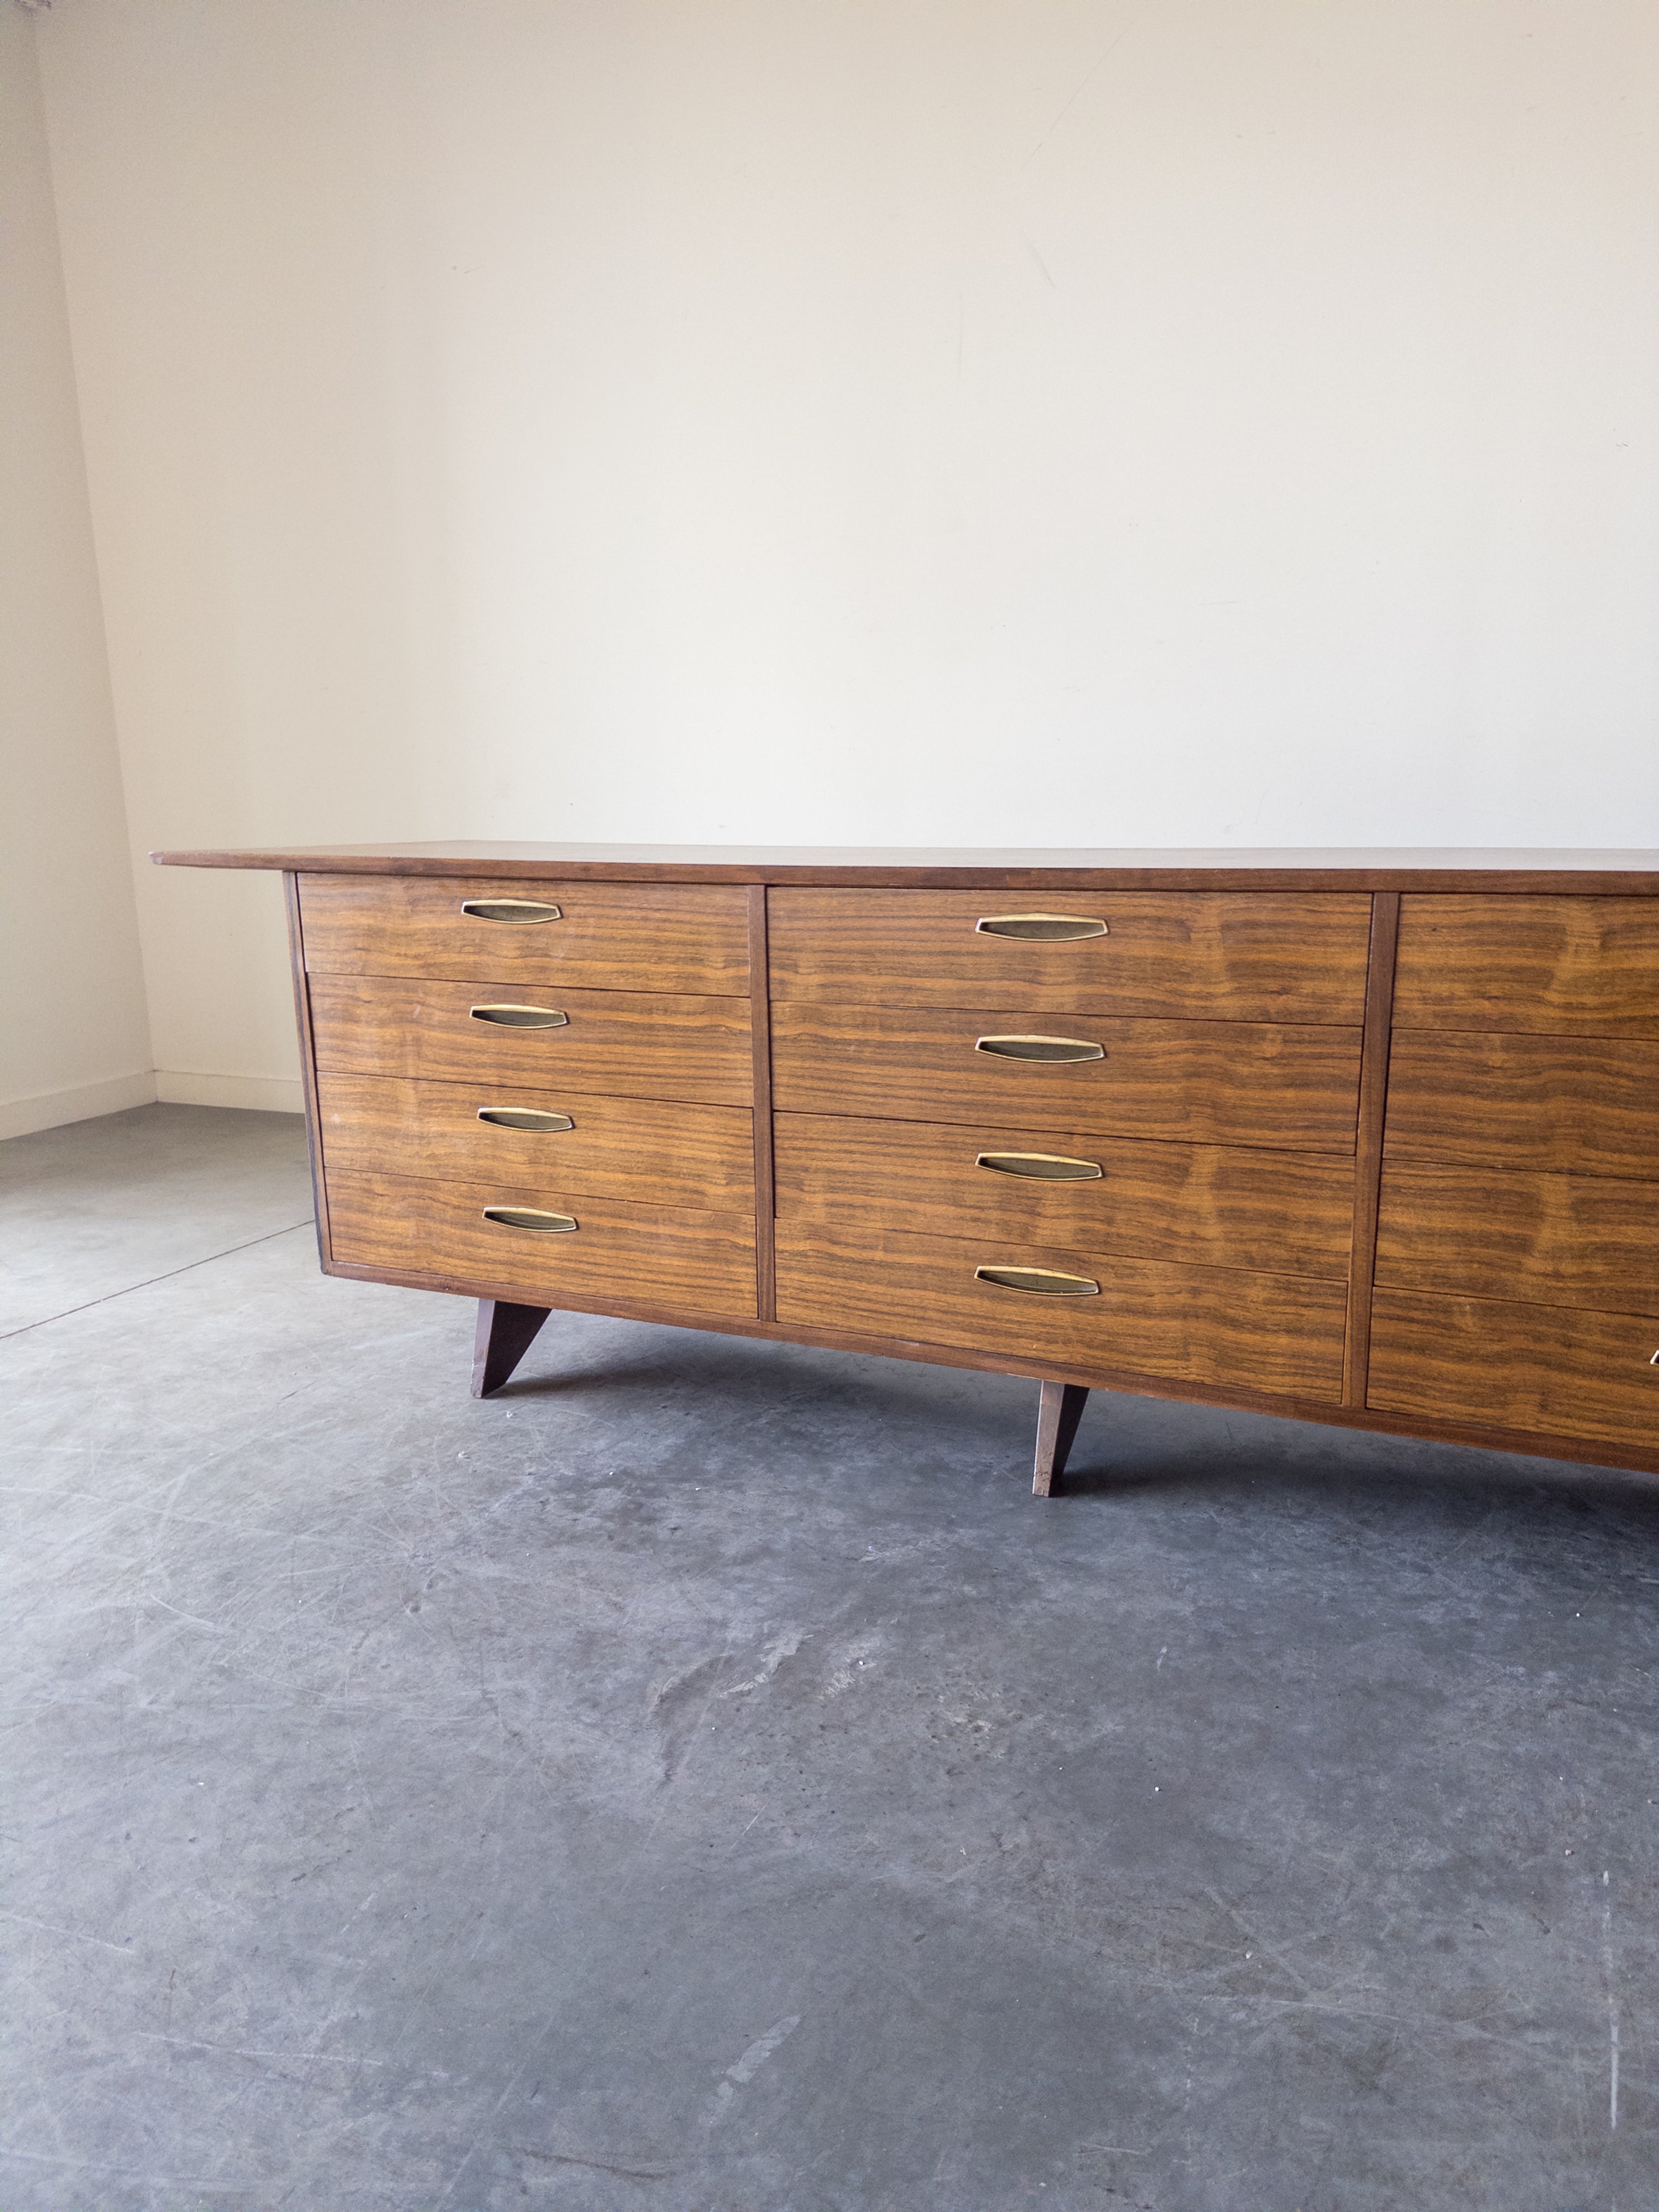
<point>296,947</point>
<point>1367,1148</point>
<point>760,1020</point>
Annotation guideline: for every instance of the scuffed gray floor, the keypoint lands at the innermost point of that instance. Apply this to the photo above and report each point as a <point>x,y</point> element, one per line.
<point>704,1779</point>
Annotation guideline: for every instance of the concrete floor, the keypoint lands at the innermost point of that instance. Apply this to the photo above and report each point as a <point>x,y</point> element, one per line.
<point>704,1779</point>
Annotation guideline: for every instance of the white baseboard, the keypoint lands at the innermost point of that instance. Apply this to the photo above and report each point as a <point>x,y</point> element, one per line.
<point>265,1094</point>
<point>52,1109</point>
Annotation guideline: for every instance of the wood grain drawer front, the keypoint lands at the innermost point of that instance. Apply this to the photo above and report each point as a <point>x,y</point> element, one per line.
<point>686,938</point>
<point>616,1254</point>
<point>1272,1211</point>
<point>1242,957</point>
<point>1560,967</point>
<point>1563,1105</point>
<point>1214,1083</point>
<point>1498,1364</point>
<point>623,1044</point>
<point>1211,1326</point>
<point>1561,1240</point>
<point>639,1149</point>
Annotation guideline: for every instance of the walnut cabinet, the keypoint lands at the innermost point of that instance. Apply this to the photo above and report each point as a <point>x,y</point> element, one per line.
<point>1363,1138</point>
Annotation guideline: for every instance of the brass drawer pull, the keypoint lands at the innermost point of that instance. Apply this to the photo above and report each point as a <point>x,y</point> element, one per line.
<point>1041,928</point>
<point>1039,1047</point>
<point>511,910</point>
<point>521,1018</point>
<point>524,1117</point>
<point>1045,1282</point>
<point>1041,1167</point>
<point>531,1216</point>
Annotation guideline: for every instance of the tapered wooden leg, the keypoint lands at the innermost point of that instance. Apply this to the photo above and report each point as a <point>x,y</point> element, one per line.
<point>1058,1411</point>
<point>506,1333</point>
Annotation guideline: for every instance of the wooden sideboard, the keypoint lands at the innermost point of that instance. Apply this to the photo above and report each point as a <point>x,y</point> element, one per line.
<point>1361,1137</point>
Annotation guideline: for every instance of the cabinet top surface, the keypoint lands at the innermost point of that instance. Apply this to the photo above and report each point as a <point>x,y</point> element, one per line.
<point>1310,867</point>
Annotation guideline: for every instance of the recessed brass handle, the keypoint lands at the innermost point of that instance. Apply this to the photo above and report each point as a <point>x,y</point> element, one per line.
<point>531,1216</point>
<point>1041,928</point>
<point>511,910</point>
<point>1043,1282</point>
<point>521,1018</point>
<point>1041,1167</point>
<point>1039,1047</point>
<point>523,1117</point>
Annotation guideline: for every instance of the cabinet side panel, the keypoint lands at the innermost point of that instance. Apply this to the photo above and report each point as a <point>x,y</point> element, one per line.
<point>1368,1152</point>
<point>760,1008</point>
<point>308,1063</point>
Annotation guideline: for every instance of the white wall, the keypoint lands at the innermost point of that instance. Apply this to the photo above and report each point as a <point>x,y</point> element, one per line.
<point>74,1038</point>
<point>1223,422</point>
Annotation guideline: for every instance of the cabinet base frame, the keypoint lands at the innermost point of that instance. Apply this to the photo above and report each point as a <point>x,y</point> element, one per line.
<point>506,1330</point>
<point>1577,1451</point>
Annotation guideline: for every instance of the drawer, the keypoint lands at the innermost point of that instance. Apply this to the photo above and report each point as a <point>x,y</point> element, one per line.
<point>617,1255</point>
<point>1561,967</point>
<point>1563,1105</point>
<point>1213,956</point>
<point>1495,1363</point>
<point>1562,1240</point>
<point>630,1148</point>
<point>685,938</point>
<point>1210,1327</point>
<point>1293,1089</point>
<point>621,1043</point>
<point>1206,1203</point>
